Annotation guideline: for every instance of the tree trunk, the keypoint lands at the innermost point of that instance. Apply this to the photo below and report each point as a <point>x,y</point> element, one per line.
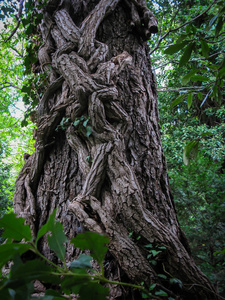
<point>98,156</point>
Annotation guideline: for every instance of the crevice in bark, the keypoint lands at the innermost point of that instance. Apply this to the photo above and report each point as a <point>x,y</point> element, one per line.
<point>113,181</point>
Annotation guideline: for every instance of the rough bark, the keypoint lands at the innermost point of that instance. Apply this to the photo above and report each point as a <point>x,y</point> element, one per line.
<point>113,181</point>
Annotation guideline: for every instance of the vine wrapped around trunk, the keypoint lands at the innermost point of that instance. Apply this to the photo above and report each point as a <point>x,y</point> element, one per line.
<point>98,156</point>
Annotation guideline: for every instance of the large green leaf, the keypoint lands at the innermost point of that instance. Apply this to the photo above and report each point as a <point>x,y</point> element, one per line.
<point>200,96</point>
<point>22,275</point>
<point>222,72</point>
<point>188,76</point>
<point>205,48</point>
<point>33,269</point>
<point>186,55</point>
<point>211,22</point>
<point>94,242</point>
<point>219,26</point>
<point>14,228</point>
<point>47,227</point>
<point>8,251</point>
<point>175,48</point>
<point>57,239</point>
<point>190,149</point>
<point>196,78</point>
<point>189,100</point>
<point>177,100</point>
<point>206,134</point>
<point>83,262</point>
<point>23,291</point>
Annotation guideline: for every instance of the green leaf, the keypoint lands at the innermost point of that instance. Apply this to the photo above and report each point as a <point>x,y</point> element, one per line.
<point>76,122</point>
<point>196,78</point>
<point>148,246</point>
<point>9,251</point>
<point>186,55</point>
<point>215,91</point>
<point>211,22</point>
<point>214,67</point>
<point>94,242</point>
<point>88,131</point>
<point>30,29</point>
<point>219,26</point>
<point>47,227</point>
<point>162,276</point>
<point>181,38</point>
<point>56,295</point>
<point>190,29</point>
<point>26,89</point>
<point>93,291</point>
<point>33,270</point>
<point>177,100</point>
<point>154,252</point>
<point>206,134</point>
<point>222,72</point>
<point>22,275</point>
<point>188,76</point>
<point>190,148</point>
<point>5,294</point>
<point>176,281</point>
<point>161,293</point>
<point>152,286</point>
<point>205,48</point>
<point>200,96</point>
<point>14,228</point>
<point>24,291</point>
<point>57,239</point>
<point>219,252</point>
<point>175,48</point>
<point>189,100</point>
<point>162,247</point>
<point>82,262</point>
<point>85,123</point>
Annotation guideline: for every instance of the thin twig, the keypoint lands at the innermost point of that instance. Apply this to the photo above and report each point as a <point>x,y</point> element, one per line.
<point>8,84</point>
<point>19,54</point>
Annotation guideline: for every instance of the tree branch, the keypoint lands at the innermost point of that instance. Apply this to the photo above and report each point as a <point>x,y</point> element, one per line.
<point>18,23</point>
<point>164,89</point>
<point>177,28</point>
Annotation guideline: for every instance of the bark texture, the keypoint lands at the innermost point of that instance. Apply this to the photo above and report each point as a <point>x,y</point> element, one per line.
<point>113,181</point>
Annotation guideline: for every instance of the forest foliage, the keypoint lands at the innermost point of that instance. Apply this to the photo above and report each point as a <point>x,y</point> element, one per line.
<point>188,58</point>
<point>190,65</point>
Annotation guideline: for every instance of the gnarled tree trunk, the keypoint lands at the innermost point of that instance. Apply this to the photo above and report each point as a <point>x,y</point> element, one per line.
<point>98,156</point>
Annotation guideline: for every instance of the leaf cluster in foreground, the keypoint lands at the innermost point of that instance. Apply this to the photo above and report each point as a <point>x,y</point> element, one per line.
<point>77,278</point>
